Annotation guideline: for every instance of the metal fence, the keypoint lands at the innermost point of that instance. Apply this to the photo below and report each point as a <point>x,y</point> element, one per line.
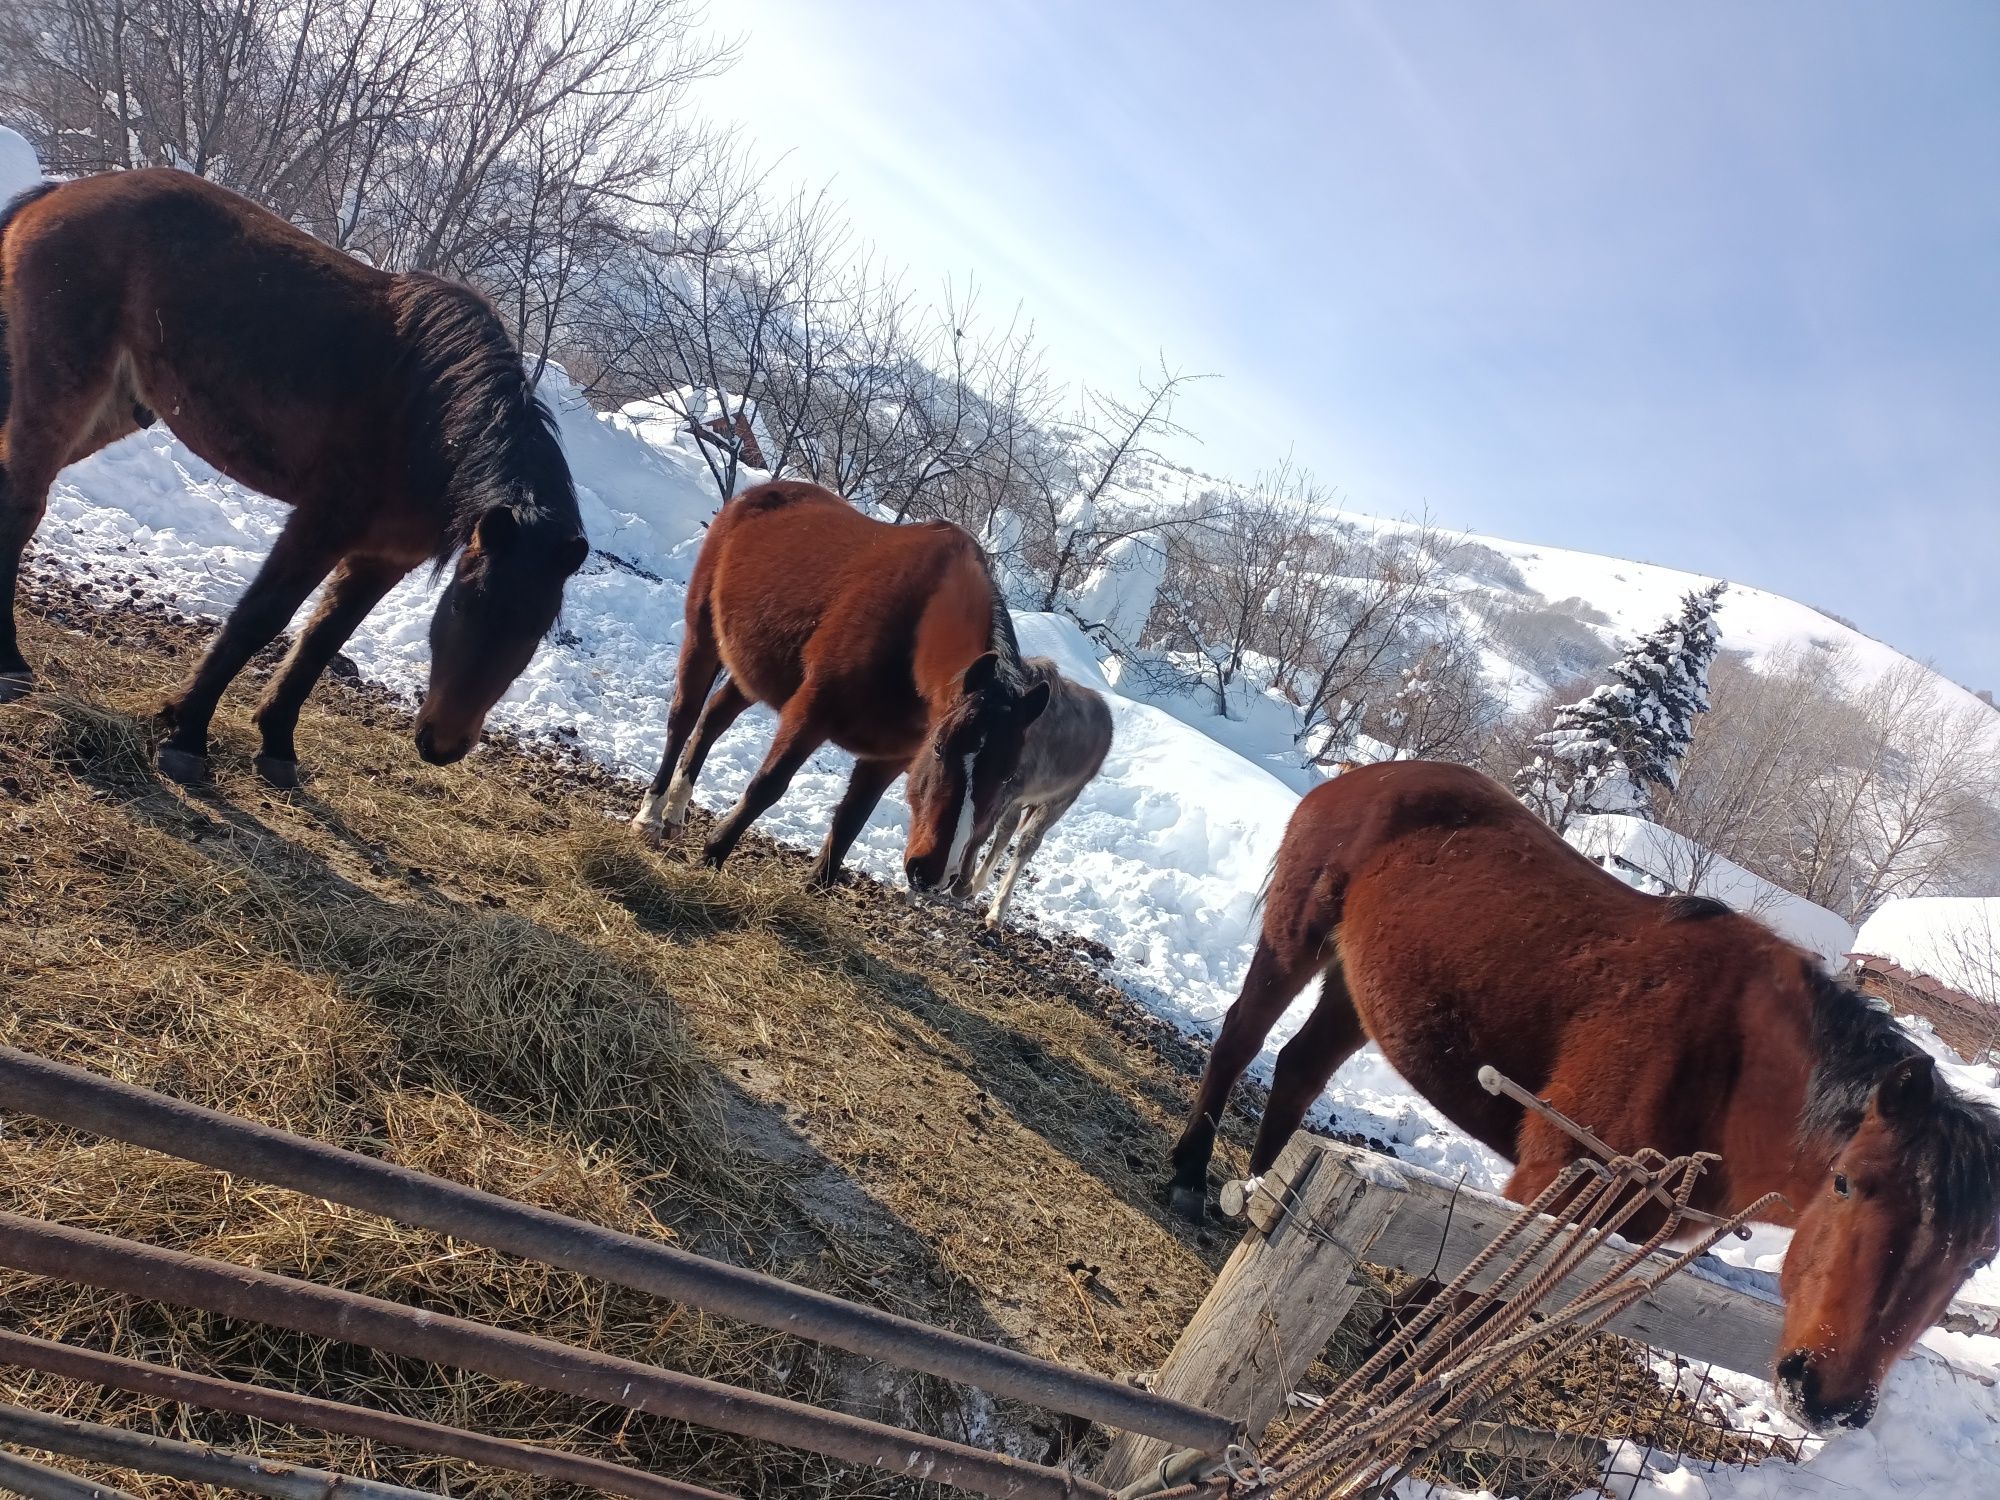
<point>73,1097</point>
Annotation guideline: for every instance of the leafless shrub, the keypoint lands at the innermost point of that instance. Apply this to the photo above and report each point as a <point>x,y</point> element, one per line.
<point>1844,798</point>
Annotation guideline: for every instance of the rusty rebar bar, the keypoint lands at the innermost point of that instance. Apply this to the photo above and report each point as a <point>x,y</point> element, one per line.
<point>267,1405</point>
<point>158,1275</point>
<point>191,1461</point>
<point>33,1481</point>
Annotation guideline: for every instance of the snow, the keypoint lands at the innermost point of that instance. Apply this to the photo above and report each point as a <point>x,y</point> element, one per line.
<point>20,169</point>
<point>1952,939</point>
<point>1119,593</point>
<point>1635,844</point>
<point>1160,860</point>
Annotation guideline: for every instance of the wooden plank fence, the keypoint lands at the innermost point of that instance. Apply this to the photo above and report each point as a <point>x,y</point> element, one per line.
<point>1324,1209</point>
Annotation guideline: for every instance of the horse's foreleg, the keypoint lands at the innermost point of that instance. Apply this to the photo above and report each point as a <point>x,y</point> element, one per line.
<point>724,708</point>
<point>798,736</point>
<point>1267,989</point>
<point>1306,1064</point>
<point>357,586</point>
<point>1032,828</point>
<point>865,787</point>
<point>666,800</point>
<point>297,564</point>
<point>1004,829</point>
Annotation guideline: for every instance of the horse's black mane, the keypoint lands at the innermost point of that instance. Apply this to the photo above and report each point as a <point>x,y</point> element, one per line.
<point>479,428</point>
<point>1954,1150</point>
<point>1692,909</point>
<point>1005,643</point>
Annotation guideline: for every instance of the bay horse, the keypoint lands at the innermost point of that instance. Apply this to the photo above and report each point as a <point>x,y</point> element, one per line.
<point>1455,929</point>
<point>1061,754</point>
<point>893,642</point>
<point>391,412</point>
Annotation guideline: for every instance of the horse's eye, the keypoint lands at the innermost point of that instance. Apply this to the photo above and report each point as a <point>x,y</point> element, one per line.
<point>1840,1186</point>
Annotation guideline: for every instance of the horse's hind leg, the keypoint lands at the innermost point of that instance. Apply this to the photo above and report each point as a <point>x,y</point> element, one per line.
<point>1268,988</point>
<point>1039,822</point>
<point>1306,1064</point>
<point>298,563</point>
<point>63,405</point>
<point>357,586</point>
<point>666,800</point>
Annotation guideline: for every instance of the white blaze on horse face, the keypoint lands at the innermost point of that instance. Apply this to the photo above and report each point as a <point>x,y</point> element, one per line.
<point>962,835</point>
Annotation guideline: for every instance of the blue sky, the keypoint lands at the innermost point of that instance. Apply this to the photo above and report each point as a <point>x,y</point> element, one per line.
<point>1714,285</point>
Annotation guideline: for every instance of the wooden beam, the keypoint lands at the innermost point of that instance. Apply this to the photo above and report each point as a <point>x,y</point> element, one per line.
<point>1277,1302</point>
<point>1701,1314</point>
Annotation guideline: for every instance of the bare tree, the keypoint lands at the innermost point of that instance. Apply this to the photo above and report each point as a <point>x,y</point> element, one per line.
<point>1071,512</point>
<point>1233,565</point>
<point>1442,708</point>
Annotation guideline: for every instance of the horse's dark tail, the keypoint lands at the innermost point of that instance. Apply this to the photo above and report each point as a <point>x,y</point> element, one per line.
<point>7,212</point>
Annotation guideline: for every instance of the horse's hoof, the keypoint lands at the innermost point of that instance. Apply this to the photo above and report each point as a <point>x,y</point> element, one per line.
<point>16,685</point>
<point>179,765</point>
<point>1191,1203</point>
<point>277,771</point>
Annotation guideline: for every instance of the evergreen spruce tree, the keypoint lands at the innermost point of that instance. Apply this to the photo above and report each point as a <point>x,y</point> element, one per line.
<point>1609,751</point>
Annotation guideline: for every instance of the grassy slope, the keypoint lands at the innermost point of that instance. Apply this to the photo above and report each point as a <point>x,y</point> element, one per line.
<point>476,972</point>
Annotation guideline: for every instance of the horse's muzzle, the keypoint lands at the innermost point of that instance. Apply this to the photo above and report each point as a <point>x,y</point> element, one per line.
<point>1802,1395</point>
<point>439,753</point>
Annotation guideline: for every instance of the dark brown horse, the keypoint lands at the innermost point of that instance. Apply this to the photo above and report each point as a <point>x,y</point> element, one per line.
<point>1453,928</point>
<point>390,412</point>
<point>891,641</point>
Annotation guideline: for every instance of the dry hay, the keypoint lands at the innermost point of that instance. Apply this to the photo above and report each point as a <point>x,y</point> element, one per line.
<point>476,972</point>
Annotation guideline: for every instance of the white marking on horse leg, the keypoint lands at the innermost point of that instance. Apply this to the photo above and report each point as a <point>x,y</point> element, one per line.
<point>679,794</point>
<point>647,819</point>
<point>1003,834</point>
<point>1032,828</point>
<point>1001,897</point>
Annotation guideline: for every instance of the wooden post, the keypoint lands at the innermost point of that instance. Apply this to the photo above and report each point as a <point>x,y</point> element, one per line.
<point>1278,1300</point>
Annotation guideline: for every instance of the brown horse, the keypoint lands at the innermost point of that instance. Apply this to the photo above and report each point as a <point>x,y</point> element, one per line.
<point>390,412</point>
<point>1060,756</point>
<point>1455,929</point>
<point>883,639</point>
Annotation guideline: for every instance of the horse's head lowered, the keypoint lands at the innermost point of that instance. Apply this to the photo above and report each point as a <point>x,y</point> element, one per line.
<point>505,593</point>
<point>957,783</point>
<point>1909,1206</point>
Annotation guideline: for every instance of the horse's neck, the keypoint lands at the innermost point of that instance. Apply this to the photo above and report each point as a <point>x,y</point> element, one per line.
<point>1765,1149</point>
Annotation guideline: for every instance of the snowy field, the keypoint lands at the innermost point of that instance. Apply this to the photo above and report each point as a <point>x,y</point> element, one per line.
<point>1159,861</point>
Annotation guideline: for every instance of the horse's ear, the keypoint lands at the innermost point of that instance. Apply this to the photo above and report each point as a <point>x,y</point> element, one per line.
<point>1907,1089</point>
<point>979,676</point>
<point>495,528</point>
<point>1033,702</point>
<point>575,551</point>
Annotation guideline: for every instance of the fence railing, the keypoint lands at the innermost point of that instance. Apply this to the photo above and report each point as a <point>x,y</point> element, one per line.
<point>71,1096</point>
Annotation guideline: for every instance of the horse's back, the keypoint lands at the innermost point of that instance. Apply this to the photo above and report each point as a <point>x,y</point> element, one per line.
<point>1469,933</point>
<point>797,582</point>
<point>266,351</point>
<point>1067,745</point>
